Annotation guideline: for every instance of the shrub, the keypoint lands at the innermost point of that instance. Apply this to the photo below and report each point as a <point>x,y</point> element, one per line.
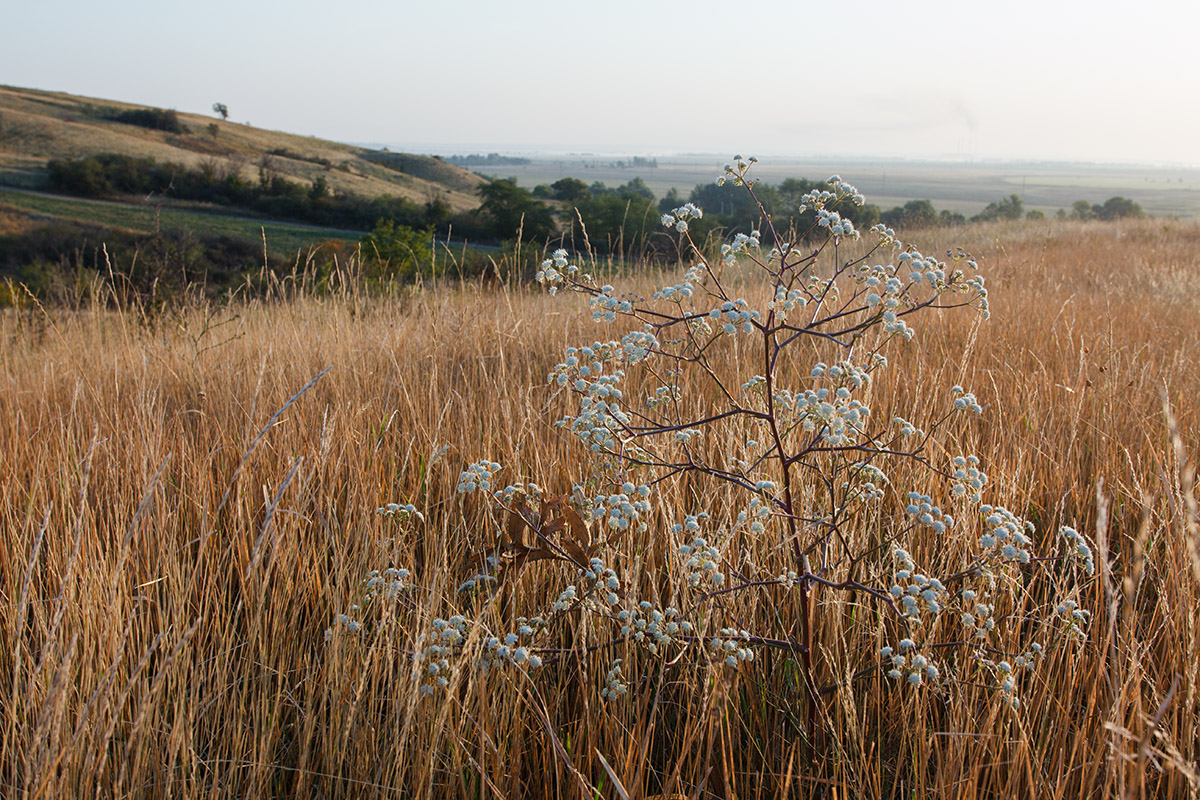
<point>158,119</point>
<point>792,452</point>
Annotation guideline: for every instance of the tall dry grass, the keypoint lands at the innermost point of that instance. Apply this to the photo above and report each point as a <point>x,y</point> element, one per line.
<point>181,526</point>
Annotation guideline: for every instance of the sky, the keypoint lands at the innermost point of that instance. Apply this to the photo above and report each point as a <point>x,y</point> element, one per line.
<point>1092,81</point>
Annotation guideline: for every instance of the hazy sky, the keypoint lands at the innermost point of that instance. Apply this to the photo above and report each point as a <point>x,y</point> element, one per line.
<point>1084,81</point>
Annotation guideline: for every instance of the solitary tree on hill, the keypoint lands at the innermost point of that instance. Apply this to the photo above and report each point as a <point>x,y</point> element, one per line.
<point>222,109</point>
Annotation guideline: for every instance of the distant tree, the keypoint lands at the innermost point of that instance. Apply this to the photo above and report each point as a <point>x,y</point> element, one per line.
<point>1117,208</point>
<point>319,189</point>
<point>1034,213</point>
<point>511,208</point>
<point>222,109</point>
<point>913,214</point>
<point>1082,210</point>
<point>636,188</point>
<point>671,200</point>
<point>570,190</point>
<point>617,221</point>
<point>1061,214</point>
<point>1011,207</point>
<point>949,218</point>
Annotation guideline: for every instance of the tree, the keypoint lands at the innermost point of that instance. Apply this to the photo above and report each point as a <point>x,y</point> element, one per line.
<point>1011,207</point>
<point>511,208</point>
<point>913,214</point>
<point>671,200</point>
<point>1081,210</point>
<point>1117,208</point>
<point>222,109</point>
<point>570,190</point>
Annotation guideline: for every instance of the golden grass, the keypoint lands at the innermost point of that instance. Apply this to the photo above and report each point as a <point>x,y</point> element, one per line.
<point>160,640</point>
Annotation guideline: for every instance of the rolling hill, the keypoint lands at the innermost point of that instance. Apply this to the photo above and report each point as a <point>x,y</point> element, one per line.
<point>39,126</point>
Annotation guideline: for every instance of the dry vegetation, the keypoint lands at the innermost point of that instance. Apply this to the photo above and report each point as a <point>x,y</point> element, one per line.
<point>36,126</point>
<point>169,565</point>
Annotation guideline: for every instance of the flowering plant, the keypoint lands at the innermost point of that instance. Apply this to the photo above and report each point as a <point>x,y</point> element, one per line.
<point>752,377</point>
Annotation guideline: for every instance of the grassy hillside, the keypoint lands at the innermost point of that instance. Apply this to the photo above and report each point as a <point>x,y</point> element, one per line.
<point>38,126</point>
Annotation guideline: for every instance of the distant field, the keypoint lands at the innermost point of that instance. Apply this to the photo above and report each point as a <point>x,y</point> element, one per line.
<point>282,238</point>
<point>962,187</point>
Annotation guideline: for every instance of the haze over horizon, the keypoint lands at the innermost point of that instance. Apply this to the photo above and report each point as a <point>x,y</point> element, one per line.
<point>934,79</point>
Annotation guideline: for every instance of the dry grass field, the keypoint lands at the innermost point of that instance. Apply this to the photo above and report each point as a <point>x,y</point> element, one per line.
<point>182,524</point>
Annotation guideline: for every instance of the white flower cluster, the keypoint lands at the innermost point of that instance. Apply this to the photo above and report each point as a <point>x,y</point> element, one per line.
<point>614,686</point>
<point>912,589</point>
<point>909,665</point>
<point>866,484</point>
<point>969,479</point>
<point>681,291</point>
<point>886,235</point>
<point>638,346</point>
<point>621,509</point>
<point>741,243</point>
<point>921,508</point>
<point>477,476</point>
<point>757,514</point>
<point>702,559</point>
<point>836,224</point>
<point>907,428</point>
<point>556,270</point>
<point>678,218</point>
<point>663,395</point>
<point>843,190</point>
<point>1008,537</point>
<point>965,401</point>
<point>1074,616</point>
<point>922,270</point>
<point>652,628</point>
<point>566,599</point>
<point>736,172</point>
<point>346,621</point>
<point>843,373</point>
<point>880,279</point>
<point>755,384</point>
<point>818,199</point>
<point>584,362</point>
<point>732,646</point>
<point>736,314</point>
<point>1008,685</point>
<point>1080,550</point>
<point>605,307</point>
<point>975,284</point>
<point>401,512</point>
<point>498,651</point>
<point>837,422</point>
<point>519,491</point>
<point>786,302</point>
<point>598,422</point>
<point>389,583</point>
<point>439,649</point>
<point>686,436</point>
<point>980,618</point>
